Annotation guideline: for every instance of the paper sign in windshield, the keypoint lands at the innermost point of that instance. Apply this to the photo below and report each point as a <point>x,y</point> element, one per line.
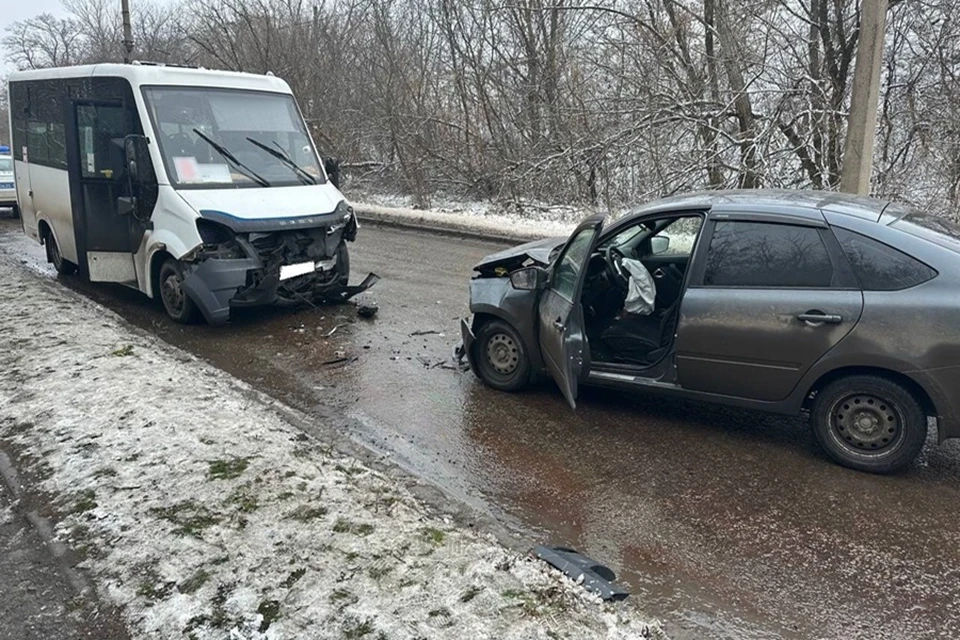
<point>191,171</point>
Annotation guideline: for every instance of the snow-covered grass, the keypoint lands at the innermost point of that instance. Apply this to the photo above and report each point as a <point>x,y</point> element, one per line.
<point>521,220</point>
<point>203,513</point>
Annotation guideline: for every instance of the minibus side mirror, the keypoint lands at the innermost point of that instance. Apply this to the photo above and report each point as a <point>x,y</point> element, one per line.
<point>332,167</point>
<point>134,146</point>
<point>134,149</point>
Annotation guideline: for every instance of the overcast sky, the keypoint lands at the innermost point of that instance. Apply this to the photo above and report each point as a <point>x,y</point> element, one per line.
<point>13,10</point>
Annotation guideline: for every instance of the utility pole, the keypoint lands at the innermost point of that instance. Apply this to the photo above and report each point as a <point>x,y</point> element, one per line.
<point>862,123</point>
<point>127,31</point>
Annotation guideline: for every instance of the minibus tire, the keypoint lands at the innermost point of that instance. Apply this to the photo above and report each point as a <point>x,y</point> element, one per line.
<point>63,266</point>
<point>176,302</point>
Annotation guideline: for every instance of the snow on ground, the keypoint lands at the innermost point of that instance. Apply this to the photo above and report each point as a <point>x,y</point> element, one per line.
<point>204,513</point>
<point>521,220</point>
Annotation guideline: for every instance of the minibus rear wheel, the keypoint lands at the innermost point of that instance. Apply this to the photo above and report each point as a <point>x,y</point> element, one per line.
<point>63,266</point>
<point>175,300</point>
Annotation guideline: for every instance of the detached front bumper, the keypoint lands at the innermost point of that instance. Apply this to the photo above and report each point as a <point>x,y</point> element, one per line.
<point>465,348</point>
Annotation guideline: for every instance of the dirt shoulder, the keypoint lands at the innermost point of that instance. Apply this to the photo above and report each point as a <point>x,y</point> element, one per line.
<point>202,511</point>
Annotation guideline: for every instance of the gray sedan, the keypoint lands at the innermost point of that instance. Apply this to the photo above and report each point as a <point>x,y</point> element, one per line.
<point>840,308</point>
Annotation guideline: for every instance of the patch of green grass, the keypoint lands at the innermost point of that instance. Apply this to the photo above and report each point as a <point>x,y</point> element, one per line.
<point>152,587</point>
<point>292,579</point>
<point>434,536</point>
<point>194,582</point>
<point>342,525</point>
<point>352,555</point>
<point>512,594</point>
<point>123,351</point>
<point>87,501</point>
<point>470,594</point>
<point>286,495</point>
<point>227,469</point>
<point>340,594</point>
<point>379,571</point>
<point>354,629</point>
<point>105,472</point>
<point>349,471</point>
<point>191,519</point>
<point>306,513</point>
<point>245,502</point>
<point>270,610</point>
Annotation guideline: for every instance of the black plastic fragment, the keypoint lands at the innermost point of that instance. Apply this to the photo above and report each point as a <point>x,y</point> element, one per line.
<point>596,578</point>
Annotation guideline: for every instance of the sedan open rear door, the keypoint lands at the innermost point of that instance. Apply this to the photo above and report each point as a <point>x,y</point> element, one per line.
<point>561,335</point>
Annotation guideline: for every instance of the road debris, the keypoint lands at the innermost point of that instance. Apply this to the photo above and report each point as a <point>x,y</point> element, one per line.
<point>425,332</point>
<point>367,308</point>
<point>589,573</point>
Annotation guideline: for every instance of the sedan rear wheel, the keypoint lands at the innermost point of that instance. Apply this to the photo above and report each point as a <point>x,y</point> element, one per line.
<point>869,423</point>
<point>501,357</point>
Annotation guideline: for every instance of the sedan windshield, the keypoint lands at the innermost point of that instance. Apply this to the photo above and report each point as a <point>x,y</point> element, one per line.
<point>224,138</point>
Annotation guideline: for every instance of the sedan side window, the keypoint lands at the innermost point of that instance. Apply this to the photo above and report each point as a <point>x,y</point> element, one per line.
<point>880,267</point>
<point>566,274</point>
<point>763,254</point>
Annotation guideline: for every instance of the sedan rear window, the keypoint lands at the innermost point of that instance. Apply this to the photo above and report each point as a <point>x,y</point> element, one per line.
<point>762,254</point>
<point>880,267</point>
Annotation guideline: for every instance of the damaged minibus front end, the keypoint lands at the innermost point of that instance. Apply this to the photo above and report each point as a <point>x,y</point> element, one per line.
<point>251,262</point>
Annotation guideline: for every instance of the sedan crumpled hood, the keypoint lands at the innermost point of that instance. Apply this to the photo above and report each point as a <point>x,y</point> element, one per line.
<point>538,252</point>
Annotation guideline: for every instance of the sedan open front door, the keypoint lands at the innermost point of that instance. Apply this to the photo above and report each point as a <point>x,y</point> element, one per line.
<point>562,338</point>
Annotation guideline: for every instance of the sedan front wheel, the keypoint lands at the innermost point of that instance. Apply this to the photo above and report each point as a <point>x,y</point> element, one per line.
<point>501,357</point>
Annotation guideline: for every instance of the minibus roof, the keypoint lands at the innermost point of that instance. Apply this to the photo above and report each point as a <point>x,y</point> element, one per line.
<point>140,74</point>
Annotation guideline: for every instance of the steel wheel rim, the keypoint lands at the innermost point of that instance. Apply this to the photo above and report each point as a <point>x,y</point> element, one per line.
<point>866,424</point>
<point>172,293</point>
<point>503,354</point>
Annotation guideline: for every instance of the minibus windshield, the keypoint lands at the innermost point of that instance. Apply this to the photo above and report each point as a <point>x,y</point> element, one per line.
<point>228,138</point>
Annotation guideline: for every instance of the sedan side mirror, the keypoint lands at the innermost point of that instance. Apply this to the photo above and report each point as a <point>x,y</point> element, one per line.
<point>659,244</point>
<point>528,279</point>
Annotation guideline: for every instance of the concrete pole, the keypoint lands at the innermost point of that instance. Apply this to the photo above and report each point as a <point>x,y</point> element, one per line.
<point>127,31</point>
<point>862,124</point>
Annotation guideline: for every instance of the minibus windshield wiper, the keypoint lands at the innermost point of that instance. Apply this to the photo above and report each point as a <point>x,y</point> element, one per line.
<point>282,156</point>
<point>244,169</point>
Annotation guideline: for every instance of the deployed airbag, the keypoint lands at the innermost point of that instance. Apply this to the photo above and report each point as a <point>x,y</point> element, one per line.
<point>641,289</point>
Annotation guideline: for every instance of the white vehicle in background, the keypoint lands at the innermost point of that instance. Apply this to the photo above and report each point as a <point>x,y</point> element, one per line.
<point>8,192</point>
<point>203,188</point>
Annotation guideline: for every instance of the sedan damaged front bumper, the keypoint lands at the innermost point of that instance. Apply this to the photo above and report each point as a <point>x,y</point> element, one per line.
<point>464,350</point>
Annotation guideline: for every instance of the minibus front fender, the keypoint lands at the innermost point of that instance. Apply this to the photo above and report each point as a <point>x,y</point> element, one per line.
<point>161,243</point>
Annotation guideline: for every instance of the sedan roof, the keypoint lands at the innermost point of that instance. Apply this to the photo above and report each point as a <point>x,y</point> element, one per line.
<point>860,206</point>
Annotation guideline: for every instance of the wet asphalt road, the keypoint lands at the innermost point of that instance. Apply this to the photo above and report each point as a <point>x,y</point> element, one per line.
<point>726,524</point>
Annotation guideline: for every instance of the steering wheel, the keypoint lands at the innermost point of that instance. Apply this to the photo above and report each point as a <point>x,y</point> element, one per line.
<point>614,258</point>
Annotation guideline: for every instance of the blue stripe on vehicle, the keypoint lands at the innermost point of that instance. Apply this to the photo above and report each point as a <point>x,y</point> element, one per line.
<point>277,220</point>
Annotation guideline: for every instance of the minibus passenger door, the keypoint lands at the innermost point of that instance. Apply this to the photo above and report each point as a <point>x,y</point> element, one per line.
<point>108,232</point>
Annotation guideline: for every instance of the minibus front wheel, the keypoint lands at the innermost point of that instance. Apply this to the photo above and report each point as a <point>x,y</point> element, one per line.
<point>175,300</point>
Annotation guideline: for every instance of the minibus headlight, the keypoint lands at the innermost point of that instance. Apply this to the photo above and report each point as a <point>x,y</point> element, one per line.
<point>219,241</point>
<point>213,232</point>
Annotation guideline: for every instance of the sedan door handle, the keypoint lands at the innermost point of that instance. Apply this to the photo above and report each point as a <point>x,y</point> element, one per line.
<point>818,317</point>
